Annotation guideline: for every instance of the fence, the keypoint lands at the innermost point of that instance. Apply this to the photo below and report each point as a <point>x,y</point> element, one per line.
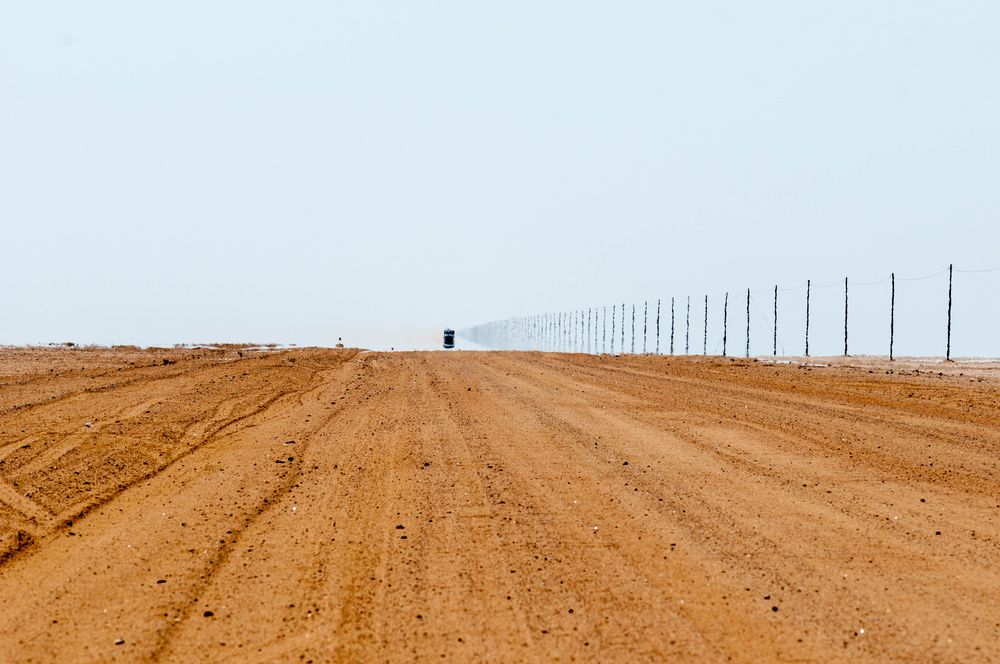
<point>586,330</point>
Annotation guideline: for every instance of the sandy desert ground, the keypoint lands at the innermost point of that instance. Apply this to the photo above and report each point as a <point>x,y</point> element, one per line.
<point>336,505</point>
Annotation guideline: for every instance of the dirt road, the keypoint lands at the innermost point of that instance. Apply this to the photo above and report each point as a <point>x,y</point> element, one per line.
<point>319,505</point>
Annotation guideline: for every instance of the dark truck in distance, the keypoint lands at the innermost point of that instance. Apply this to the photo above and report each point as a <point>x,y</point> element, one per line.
<point>449,338</point>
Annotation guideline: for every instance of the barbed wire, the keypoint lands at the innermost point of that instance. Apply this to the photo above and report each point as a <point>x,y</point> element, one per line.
<point>720,296</point>
<point>929,276</point>
<point>989,269</point>
<point>870,283</point>
<point>558,331</point>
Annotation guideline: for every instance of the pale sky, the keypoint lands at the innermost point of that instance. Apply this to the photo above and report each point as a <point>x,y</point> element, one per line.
<point>298,172</point>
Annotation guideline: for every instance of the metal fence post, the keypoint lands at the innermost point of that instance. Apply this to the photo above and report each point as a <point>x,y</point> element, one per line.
<point>892,315</point>
<point>947,353</point>
<point>725,323</point>
<point>775,320</point>
<point>645,319</point>
<point>623,329</point>
<point>808,284</point>
<point>687,328</point>
<point>613,329</point>
<point>589,314</point>
<point>604,331</point>
<point>633,328</point>
<point>845,316</point>
<point>748,323</point>
<point>704,341</point>
<point>671,326</point>
<point>595,330</point>
<point>657,326</point>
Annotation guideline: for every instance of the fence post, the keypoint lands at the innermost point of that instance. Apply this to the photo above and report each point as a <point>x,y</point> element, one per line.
<point>604,331</point>
<point>947,353</point>
<point>622,347</point>
<point>645,319</point>
<point>704,341</point>
<point>613,307</point>
<point>776,320</point>
<point>657,326</point>
<point>748,323</point>
<point>808,284</point>
<point>892,315</point>
<point>589,314</point>
<point>725,323</point>
<point>671,326</point>
<point>845,316</point>
<point>633,328</point>
<point>687,328</point>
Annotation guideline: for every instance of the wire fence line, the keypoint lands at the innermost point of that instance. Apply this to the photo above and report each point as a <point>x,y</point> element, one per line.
<point>586,330</point>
